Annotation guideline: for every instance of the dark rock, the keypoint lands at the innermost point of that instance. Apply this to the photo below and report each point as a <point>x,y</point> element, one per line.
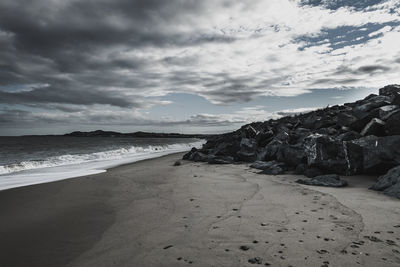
<point>370,96</point>
<point>300,168</point>
<point>263,165</point>
<point>390,90</point>
<point>264,137</point>
<point>270,168</point>
<point>362,111</point>
<point>199,156</point>
<point>374,127</point>
<point>372,155</point>
<point>392,126</point>
<point>298,135</point>
<point>386,111</point>
<point>346,119</point>
<point>189,155</point>
<point>247,151</point>
<point>227,148</point>
<point>326,131</point>
<point>270,151</point>
<point>282,134</point>
<point>389,183</point>
<point>331,180</point>
<point>292,155</point>
<point>348,136</point>
<point>396,99</point>
<point>248,145</point>
<point>177,163</point>
<point>249,131</point>
<point>246,156</point>
<point>325,153</point>
<point>221,160</point>
<point>312,172</point>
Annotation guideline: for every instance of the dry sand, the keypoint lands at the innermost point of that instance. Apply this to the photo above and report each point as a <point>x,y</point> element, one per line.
<point>151,213</point>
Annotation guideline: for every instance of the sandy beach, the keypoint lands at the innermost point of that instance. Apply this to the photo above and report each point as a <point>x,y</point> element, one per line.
<point>152,213</point>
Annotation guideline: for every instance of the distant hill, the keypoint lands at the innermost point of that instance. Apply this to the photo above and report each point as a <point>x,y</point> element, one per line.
<point>100,133</point>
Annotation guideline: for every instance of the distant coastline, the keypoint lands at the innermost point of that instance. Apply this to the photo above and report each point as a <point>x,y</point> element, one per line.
<point>139,134</point>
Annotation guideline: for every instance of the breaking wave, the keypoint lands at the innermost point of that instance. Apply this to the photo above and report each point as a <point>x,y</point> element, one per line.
<point>134,152</point>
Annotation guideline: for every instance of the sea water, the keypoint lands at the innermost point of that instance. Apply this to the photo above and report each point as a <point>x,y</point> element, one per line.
<point>28,160</point>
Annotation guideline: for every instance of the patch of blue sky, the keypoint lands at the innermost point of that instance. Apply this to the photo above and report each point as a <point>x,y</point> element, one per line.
<point>336,4</point>
<point>15,88</point>
<point>344,36</point>
<point>186,105</point>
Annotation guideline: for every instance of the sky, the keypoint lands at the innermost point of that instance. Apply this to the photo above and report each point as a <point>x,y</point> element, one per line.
<point>189,66</point>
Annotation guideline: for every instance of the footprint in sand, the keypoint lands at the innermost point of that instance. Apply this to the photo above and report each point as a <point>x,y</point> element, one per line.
<point>390,242</point>
<point>322,251</point>
<point>244,248</point>
<point>255,260</point>
<point>372,238</point>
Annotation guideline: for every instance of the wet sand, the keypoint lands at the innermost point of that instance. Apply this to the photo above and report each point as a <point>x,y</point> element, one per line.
<point>152,213</point>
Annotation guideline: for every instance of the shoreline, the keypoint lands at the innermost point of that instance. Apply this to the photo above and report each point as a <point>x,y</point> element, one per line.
<point>150,213</point>
<point>74,170</point>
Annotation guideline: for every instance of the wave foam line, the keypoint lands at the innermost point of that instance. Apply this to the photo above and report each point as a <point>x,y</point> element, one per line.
<point>117,154</point>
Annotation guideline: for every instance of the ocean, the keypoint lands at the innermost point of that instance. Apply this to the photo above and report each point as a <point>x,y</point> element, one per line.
<point>28,160</point>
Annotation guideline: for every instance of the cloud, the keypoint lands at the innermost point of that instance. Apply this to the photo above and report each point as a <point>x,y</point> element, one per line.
<point>98,117</point>
<point>291,112</point>
<point>67,56</point>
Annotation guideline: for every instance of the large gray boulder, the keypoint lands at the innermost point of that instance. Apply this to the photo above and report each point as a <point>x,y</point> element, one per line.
<point>363,110</point>
<point>292,155</point>
<point>220,160</point>
<point>390,90</point>
<point>371,154</point>
<point>389,183</point>
<point>330,180</point>
<point>374,127</point>
<point>270,151</point>
<point>270,167</point>
<point>325,153</point>
<point>248,149</point>
<point>392,126</point>
<point>386,111</point>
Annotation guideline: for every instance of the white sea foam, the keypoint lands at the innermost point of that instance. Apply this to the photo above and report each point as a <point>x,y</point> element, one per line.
<point>70,166</point>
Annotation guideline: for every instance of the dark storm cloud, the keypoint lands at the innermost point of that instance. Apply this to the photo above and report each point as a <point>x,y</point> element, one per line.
<point>367,69</point>
<point>54,95</point>
<point>334,81</point>
<point>46,28</point>
<point>372,68</point>
<point>14,117</point>
<point>69,46</point>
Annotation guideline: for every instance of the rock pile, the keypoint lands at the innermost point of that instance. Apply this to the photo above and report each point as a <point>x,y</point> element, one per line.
<point>355,138</point>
